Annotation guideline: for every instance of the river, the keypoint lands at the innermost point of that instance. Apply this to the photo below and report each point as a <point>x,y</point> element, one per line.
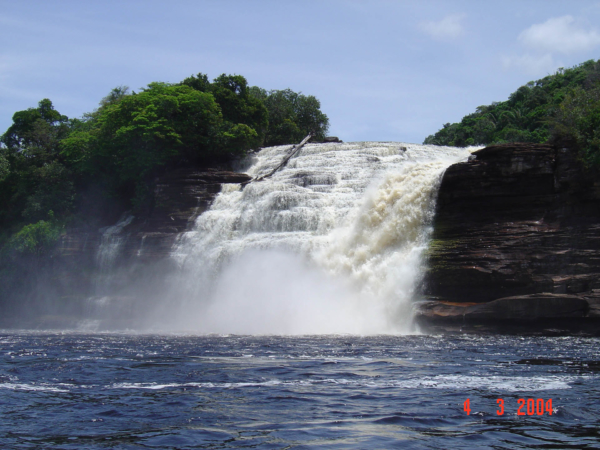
<point>124,391</point>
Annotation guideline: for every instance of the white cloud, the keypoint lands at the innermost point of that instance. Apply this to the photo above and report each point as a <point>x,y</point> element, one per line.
<point>560,34</point>
<point>537,65</point>
<point>449,27</point>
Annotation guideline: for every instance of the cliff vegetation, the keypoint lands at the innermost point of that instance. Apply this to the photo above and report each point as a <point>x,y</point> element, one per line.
<point>562,108</point>
<point>81,174</point>
<point>56,171</point>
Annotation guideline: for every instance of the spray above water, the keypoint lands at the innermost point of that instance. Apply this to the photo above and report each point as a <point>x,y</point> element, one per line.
<point>331,243</point>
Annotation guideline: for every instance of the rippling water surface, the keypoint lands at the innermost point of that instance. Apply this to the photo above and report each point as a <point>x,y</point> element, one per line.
<point>107,391</point>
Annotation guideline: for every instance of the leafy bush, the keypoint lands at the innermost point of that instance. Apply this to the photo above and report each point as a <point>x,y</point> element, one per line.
<point>36,238</point>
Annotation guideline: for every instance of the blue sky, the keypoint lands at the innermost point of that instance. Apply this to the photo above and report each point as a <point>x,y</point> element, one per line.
<point>383,70</point>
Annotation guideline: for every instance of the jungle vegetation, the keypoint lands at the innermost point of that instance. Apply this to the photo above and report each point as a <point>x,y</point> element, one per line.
<point>57,171</point>
<point>562,108</point>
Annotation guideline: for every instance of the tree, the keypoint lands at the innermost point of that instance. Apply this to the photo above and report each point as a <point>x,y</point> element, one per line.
<point>292,116</point>
<point>272,117</point>
<point>198,82</point>
<point>36,180</point>
<point>36,238</point>
<point>22,131</point>
<point>53,190</point>
<point>4,166</point>
<point>133,136</point>
<point>524,116</point>
<point>115,95</point>
<point>577,124</point>
<point>131,139</point>
<point>238,107</point>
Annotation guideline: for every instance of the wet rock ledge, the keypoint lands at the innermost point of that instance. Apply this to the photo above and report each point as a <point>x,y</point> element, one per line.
<point>144,243</point>
<point>516,244</point>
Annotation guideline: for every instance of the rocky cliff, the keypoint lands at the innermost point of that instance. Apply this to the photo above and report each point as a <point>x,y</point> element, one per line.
<point>516,243</point>
<point>90,267</point>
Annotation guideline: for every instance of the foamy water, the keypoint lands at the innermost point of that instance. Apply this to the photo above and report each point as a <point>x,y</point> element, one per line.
<point>331,243</point>
<point>98,391</point>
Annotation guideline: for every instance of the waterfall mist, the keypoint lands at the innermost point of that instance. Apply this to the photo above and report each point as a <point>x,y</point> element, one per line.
<point>332,243</point>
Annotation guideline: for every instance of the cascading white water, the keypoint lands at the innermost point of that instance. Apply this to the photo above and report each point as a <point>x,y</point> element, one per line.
<point>331,243</point>
<point>99,305</point>
<point>111,241</point>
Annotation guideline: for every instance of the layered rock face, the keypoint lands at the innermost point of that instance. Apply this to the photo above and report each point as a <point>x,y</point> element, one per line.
<point>113,263</point>
<point>180,197</point>
<point>516,240</point>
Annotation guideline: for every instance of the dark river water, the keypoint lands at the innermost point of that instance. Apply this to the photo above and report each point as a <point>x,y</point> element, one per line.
<point>118,391</point>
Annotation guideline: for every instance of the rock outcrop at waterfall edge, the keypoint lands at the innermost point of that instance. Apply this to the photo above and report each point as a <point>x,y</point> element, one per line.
<point>516,244</point>
<point>57,296</point>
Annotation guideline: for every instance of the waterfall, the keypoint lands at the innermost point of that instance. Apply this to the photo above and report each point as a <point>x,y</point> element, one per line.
<point>332,243</point>
<point>110,243</point>
<point>102,305</point>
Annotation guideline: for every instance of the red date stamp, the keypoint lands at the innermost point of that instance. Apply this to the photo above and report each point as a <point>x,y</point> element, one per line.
<point>526,407</point>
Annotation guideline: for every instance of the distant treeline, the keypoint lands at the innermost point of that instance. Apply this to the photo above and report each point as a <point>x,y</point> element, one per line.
<point>56,171</point>
<point>562,108</point>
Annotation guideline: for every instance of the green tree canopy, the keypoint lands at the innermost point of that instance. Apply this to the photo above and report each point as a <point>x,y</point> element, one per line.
<point>26,125</point>
<point>245,118</point>
<point>48,162</point>
<point>278,117</point>
<point>4,166</point>
<point>35,178</point>
<point>36,238</point>
<point>577,124</point>
<point>524,117</point>
<point>57,172</point>
<point>292,116</point>
<point>131,137</point>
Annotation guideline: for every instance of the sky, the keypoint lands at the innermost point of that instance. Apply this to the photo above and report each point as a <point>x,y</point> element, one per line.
<point>384,70</point>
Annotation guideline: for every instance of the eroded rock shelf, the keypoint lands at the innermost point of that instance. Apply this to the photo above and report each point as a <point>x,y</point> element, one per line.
<point>516,242</point>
